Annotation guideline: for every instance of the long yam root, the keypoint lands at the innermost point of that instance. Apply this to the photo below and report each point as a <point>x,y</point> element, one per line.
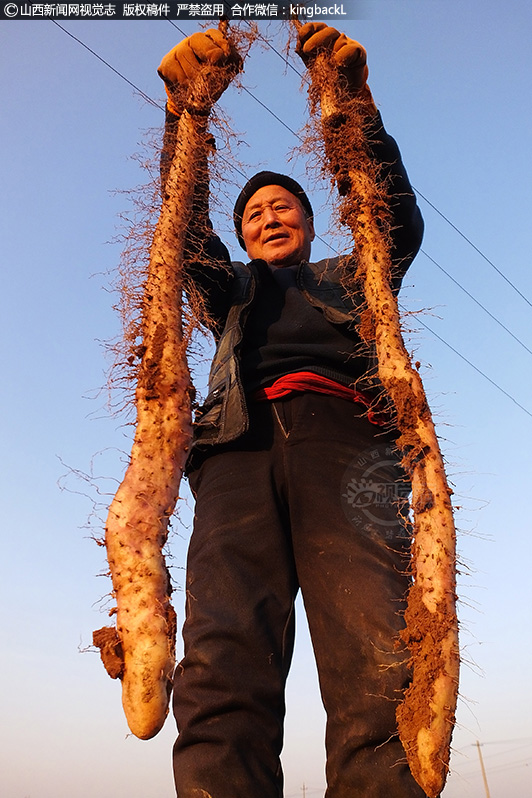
<point>426,715</point>
<point>141,650</point>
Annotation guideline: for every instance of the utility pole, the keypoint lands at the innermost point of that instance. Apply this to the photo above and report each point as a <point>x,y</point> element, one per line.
<point>483,770</point>
<point>304,790</point>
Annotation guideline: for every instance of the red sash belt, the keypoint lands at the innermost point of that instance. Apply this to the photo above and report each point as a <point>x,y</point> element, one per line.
<point>307,381</point>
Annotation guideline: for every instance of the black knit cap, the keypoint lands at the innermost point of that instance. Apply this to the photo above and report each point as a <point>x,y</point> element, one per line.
<point>260,180</point>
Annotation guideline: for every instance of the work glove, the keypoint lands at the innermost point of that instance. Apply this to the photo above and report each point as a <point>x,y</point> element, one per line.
<point>349,56</point>
<point>182,64</point>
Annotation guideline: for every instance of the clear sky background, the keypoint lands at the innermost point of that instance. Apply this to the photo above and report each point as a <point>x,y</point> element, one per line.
<point>454,82</point>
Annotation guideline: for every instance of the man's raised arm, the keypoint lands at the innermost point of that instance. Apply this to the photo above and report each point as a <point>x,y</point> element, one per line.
<point>207,258</point>
<point>350,58</point>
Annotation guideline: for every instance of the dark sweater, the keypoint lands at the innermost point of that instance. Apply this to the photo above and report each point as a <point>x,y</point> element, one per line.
<point>285,334</point>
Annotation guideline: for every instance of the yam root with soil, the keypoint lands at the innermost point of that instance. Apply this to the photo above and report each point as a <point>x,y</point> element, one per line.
<point>140,651</point>
<point>426,714</point>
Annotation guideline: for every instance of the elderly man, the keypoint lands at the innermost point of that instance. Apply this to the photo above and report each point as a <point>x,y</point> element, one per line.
<point>291,468</point>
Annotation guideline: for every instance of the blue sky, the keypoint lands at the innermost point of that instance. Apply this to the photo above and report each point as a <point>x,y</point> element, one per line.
<point>453,82</point>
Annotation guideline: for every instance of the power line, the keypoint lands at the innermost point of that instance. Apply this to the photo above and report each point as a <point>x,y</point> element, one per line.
<point>181,31</point>
<point>283,58</point>
<point>504,277</point>
<point>107,64</point>
<point>476,301</point>
<point>507,741</point>
<point>479,371</point>
<point>291,130</point>
<point>263,105</point>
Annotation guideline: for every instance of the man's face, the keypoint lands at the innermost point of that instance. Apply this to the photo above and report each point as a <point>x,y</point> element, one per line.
<point>276,228</point>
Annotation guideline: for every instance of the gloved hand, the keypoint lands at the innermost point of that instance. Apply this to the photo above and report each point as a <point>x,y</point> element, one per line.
<point>182,64</point>
<point>349,55</point>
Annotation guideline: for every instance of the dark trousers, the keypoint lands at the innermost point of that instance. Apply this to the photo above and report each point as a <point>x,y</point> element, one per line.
<point>308,499</point>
